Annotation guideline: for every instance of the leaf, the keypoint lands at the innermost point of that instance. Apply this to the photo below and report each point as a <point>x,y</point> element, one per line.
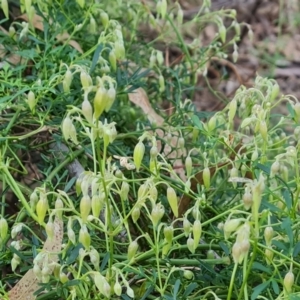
<point>96,57</point>
<point>140,99</point>
<point>26,287</point>
<point>259,289</point>
<point>275,287</point>
<point>38,23</point>
<point>287,198</point>
<point>191,287</point>
<point>258,266</point>
<point>176,289</point>
<point>296,249</point>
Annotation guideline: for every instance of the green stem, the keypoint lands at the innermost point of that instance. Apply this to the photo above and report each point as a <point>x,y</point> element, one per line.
<point>14,186</point>
<point>232,281</point>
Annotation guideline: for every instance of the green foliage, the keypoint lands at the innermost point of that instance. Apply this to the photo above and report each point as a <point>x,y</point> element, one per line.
<point>204,206</point>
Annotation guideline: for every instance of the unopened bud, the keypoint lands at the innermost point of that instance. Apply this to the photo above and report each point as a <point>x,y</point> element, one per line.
<point>41,209</point>
<point>197,231</point>
<point>288,282</point>
<point>206,177</point>
<point>138,155</point>
<point>169,234</point>
<point>135,214</point>
<point>31,100</point>
<point>172,199</point>
<point>132,249</point>
<point>157,213</point>
<point>85,207</point>
<point>188,166</point>
<point>191,245</point>
<point>104,19</point>
<point>84,237</point>
<point>268,234</point>
<point>3,228</point>
<point>186,227</point>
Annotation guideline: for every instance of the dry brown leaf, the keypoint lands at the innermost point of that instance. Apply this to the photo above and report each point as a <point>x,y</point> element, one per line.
<point>25,288</point>
<point>140,98</point>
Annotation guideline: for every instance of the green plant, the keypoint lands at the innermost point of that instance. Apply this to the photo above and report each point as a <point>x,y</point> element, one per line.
<point>124,230</point>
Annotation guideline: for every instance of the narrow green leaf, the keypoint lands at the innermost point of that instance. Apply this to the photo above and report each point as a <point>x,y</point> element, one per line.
<point>287,198</point>
<point>296,249</point>
<point>275,287</point>
<point>259,289</point>
<point>176,289</point>
<point>190,288</point>
<point>258,266</point>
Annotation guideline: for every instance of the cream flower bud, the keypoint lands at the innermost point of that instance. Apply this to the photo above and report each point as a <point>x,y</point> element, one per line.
<point>236,252</point>
<point>15,262</point>
<point>119,49</point>
<point>157,213</point>
<point>138,155</point>
<point>16,229</point>
<point>206,177</point>
<point>117,288</point>
<point>161,82</point>
<point>191,245</point>
<point>173,201</point>
<point>67,81</point>
<point>124,191</point>
<point>95,258</point>
<point>181,143</point>
<point>263,130</point>
<point>268,235</point>
<point>230,226</point>
<point>85,207</point>
<point>188,274</point>
<point>63,278</point>
<point>197,231</point>
<point>84,237</point>
<point>59,205</point>
<point>92,25</point>
<point>132,249</point>
<point>288,282</point>
<point>169,233</point>
<point>71,235</point>
<point>67,127</point>
<point>104,18</point>
<point>86,80</point>
<point>159,57</point>
<point>3,228</point>
<point>232,110</point>
<point>130,292</point>
<point>247,200</point>
<point>153,193</point>
<point>222,33</point>
<point>87,110</point>
<point>31,100</point>
<point>269,254</point>
<point>50,229</point>
<point>41,208</point>
<point>110,98</point>
<point>153,152</point>
<point>97,204</point>
<point>113,60</point>
<point>188,166</point>
<point>186,227</point>
<point>37,271</point>
<point>135,214</point>
<point>100,101</point>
